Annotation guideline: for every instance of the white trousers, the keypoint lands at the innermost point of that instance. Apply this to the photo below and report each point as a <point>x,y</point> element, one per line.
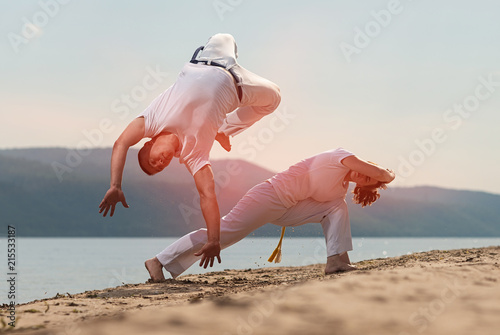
<point>260,98</point>
<point>259,206</point>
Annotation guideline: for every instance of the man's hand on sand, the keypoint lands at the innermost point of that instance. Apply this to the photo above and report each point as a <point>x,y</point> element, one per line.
<point>224,141</point>
<point>113,196</point>
<point>208,253</point>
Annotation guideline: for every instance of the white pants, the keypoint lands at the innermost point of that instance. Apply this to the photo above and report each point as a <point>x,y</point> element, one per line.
<point>260,98</point>
<point>259,206</point>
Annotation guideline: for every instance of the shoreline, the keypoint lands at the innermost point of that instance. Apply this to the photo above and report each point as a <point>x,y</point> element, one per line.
<point>435,291</point>
<point>129,269</point>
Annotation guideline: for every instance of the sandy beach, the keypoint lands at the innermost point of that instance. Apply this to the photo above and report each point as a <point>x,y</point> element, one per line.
<point>436,292</point>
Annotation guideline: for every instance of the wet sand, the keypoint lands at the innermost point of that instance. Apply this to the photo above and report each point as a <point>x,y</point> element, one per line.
<point>435,292</point>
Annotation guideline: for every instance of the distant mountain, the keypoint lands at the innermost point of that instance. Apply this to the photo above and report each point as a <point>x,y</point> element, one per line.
<point>56,192</point>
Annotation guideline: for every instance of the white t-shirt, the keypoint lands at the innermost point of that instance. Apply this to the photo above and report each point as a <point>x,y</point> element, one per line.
<point>193,108</point>
<point>320,177</point>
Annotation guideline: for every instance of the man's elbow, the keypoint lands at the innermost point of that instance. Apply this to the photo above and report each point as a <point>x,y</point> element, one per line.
<point>208,195</point>
<point>208,199</point>
<point>207,191</point>
<point>119,143</point>
<point>386,177</point>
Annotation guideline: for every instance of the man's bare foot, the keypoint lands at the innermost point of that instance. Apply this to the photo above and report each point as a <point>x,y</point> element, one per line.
<point>155,270</point>
<point>224,141</point>
<point>337,263</point>
<point>342,268</point>
<point>344,257</point>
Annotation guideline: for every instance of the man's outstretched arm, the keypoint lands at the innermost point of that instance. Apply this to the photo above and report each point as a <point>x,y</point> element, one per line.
<point>130,136</point>
<point>205,184</point>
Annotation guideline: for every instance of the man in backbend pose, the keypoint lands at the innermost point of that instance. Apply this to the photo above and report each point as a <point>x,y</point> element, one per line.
<point>310,191</point>
<point>213,98</point>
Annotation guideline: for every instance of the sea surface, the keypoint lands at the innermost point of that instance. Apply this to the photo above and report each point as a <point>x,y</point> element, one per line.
<point>48,266</point>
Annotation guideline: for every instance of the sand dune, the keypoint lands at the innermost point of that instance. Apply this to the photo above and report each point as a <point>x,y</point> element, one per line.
<point>436,292</point>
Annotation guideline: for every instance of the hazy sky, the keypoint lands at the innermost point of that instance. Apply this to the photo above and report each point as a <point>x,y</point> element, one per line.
<point>412,85</point>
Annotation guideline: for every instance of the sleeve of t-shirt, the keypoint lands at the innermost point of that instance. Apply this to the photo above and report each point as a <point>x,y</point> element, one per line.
<point>326,167</point>
<point>150,115</point>
<point>194,164</point>
<point>147,122</point>
<point>197,154</point>
<point>329,159</point>
<point>338,155</point>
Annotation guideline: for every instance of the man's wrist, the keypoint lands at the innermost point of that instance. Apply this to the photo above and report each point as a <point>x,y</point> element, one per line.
<point>213,240</point>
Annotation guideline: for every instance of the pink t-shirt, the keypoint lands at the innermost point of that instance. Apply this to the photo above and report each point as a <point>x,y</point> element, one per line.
<point>320,177</point>
<point>193,108</point>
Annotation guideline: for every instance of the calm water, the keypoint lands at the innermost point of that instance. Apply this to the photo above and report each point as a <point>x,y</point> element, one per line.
<point>47,266</point>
